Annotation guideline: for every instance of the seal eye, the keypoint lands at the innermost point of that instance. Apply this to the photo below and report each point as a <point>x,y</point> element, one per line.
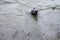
<point>34,12</point>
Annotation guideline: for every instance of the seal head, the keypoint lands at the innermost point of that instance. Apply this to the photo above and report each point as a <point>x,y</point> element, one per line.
<point>34,11</point>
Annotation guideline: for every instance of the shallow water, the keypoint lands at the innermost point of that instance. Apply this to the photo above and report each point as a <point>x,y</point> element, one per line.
<point>16,22</point>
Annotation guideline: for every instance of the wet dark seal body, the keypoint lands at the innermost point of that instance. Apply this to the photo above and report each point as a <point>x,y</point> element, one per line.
<point>34,12</point>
